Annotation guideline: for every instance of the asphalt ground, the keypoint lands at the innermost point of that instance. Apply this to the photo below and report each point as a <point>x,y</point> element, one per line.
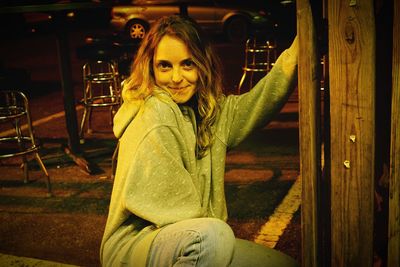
<point>67,228</point>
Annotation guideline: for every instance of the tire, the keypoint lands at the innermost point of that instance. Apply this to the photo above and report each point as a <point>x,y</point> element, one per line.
<point>237,30</point>
<point>136,30</point>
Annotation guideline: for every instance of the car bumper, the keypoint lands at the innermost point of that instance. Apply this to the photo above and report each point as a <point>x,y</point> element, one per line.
<point>118,23</point>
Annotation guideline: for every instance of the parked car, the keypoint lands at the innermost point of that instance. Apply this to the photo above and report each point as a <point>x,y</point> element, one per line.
<point>43,16</point>
<point>237,23</point>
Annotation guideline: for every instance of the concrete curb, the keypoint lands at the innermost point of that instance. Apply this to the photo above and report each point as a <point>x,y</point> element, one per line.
<point>10,260</point>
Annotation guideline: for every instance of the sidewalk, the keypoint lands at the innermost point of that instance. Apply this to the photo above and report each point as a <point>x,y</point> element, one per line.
<point>9,260</point>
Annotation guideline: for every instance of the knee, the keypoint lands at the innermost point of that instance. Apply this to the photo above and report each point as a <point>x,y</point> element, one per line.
<point>205,241</point>
<point>219,233</point>
<point>222,230</point>
<point>217,243</point>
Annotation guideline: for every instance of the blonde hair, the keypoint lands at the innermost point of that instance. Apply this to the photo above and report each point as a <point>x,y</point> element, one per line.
<point>141,82</point>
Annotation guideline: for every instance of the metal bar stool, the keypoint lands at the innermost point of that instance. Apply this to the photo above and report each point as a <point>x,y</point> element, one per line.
<point>259,59</point>
<point>14,109</point>
<point>101,89</point>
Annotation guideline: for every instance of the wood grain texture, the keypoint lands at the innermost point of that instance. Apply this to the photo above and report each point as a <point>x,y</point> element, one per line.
<point>352,91</point>
<point>309,125</point>
<point>394,180</point>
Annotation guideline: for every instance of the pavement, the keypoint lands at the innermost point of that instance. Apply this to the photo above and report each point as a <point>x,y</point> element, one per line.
<point>66,229</point>
<point>10,260</point>
<point>262,185</point>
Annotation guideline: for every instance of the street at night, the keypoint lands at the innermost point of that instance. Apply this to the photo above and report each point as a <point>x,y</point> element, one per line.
<point>319,181</point>
<point>67,227</point>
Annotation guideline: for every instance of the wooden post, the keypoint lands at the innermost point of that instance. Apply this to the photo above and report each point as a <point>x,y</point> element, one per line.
<point>394,180</point>
<point>310,146</point>
<point>352,87</point>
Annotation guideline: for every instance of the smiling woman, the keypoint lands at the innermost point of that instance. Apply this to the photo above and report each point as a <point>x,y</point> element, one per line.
<point>174,69</point>
<point>175,126</point>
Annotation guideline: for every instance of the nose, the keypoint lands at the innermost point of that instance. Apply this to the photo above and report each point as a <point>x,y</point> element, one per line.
<point>176,75</point>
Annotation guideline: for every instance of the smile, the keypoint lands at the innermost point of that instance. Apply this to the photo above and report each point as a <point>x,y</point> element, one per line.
<point>179,88</point>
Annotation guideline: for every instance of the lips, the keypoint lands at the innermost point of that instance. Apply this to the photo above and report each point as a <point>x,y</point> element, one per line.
<point>178,88</point>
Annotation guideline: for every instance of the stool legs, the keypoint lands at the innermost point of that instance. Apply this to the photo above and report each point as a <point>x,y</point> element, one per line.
<point>14,108</point>
<point>259,59</point>
<point>25,168</point>
<point>21,145</point>
<point>48,184</point>
<point>87,113</point>
<point>101,89</point>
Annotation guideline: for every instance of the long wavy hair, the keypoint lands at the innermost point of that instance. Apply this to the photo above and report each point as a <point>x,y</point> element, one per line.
<point>141,82</point>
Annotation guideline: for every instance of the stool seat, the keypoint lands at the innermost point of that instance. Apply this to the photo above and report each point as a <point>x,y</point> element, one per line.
<point>11,113</point>
<point>15,150</point>
<point>102,101</point>
<point>17,142</point>
<point>100,77</point>
<point>260,66</point>
<point>98,51</point>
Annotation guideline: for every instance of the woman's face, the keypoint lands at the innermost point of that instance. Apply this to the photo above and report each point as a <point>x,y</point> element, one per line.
<point>174,69</point>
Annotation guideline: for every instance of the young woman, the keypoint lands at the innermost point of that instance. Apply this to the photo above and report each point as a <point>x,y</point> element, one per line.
<point>168,204</point>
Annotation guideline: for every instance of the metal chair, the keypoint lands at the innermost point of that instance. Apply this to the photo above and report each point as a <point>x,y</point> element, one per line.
<point>101,89</point>
<point>19,141</point>
<point>260,56</point>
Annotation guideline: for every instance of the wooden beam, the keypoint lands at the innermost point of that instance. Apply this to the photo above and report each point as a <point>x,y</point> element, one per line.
<point>394,180</point>
<point>309,125</point>
<point>352,96</point>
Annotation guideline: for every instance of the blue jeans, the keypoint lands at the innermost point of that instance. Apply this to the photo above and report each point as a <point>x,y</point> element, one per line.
<point>209,242</point>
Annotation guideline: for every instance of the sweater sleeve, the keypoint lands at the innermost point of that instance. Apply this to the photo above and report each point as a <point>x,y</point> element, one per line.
<point>159,188</point>
<point>256,107</point>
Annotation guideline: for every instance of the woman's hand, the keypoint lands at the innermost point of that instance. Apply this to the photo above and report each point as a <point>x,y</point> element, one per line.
<point>291,57</point>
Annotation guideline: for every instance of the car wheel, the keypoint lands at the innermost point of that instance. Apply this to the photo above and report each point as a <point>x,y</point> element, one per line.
<point>136,29</point>
<point>237,29</point>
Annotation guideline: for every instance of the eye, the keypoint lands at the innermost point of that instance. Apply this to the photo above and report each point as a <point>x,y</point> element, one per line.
<point>163,66</point>
<point>188,64</point>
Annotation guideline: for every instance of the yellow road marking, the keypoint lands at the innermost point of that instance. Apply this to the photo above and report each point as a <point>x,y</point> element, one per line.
<point>40,121</point>
<point>269,233</point>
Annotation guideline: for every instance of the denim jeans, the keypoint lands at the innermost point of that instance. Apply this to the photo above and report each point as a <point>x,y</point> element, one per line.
<point>209,242</point>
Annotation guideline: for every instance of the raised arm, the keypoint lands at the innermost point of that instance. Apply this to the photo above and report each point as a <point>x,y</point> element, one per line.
<point>255,108</point>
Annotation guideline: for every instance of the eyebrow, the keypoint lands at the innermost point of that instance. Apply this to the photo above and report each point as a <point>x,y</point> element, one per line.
<point>167,61</point>
<point>162,61</point>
